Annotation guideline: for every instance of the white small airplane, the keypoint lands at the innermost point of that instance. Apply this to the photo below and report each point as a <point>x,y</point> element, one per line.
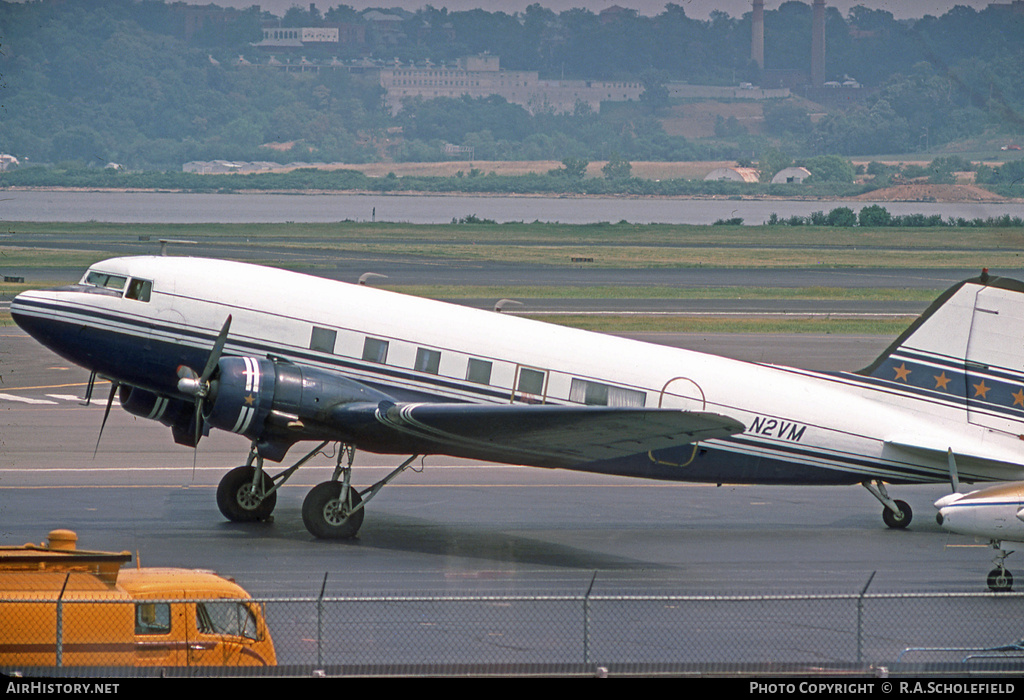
<point>281,357</point>
<point>995,513</point>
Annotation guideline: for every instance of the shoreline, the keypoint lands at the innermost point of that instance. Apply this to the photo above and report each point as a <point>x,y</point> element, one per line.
<point>902,194</point>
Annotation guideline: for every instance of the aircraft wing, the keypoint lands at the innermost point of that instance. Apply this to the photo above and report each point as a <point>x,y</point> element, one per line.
<point>536,435</point>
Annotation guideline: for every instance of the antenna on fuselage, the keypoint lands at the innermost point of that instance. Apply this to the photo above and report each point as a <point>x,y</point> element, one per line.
<point>367,276</point>
<point>165,241</point>
<point>500,306</point>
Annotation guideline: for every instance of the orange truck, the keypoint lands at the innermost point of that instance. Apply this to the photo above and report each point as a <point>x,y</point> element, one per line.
<point>63,606</point>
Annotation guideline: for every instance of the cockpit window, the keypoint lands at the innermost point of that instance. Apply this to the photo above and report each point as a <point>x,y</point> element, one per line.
<point>139,289</point>
<point>103,279</point>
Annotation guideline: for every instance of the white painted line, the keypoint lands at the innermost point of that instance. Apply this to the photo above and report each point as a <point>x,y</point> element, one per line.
<point>66,397</point>
<point>25,399</point>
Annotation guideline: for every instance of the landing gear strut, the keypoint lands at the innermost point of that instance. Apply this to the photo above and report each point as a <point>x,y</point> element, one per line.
<point>331,510</point>
<point>1000,579</point>
<point>896,514</point>
<point>334,509</point>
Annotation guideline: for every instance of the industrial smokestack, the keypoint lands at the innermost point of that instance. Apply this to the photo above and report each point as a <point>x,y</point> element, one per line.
<point>818,43</point>
<point>757,34</point>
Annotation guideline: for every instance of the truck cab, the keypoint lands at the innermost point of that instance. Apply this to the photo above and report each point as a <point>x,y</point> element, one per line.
<point>185,617</point>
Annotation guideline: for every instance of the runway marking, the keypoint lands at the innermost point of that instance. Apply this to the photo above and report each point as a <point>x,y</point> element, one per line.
<point>25,399</point>
<point>66,397</point>
<point>56,386</point>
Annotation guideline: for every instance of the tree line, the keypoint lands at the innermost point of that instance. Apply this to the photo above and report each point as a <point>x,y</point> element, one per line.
<point>89,82</point>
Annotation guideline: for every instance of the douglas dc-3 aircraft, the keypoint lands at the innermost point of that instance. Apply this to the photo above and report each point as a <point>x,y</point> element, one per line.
<point>281,357</point>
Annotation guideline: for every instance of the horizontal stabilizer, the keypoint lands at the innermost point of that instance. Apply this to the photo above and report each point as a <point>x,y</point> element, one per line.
<point>966,459</point>
<point>535,435</point>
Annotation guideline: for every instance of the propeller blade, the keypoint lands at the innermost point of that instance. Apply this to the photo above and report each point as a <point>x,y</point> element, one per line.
<point>954,476</point>
<point>218,348</point>
<point>198,418</point>
<point>199,385</point>
<point>110,400</point>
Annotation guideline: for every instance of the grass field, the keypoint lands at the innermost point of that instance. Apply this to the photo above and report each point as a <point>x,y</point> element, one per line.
<point>603,245</point>
<point>73,247</point>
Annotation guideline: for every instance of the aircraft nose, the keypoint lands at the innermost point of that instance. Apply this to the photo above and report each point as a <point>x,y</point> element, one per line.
<point>29,311</point>
<point>18,305</point>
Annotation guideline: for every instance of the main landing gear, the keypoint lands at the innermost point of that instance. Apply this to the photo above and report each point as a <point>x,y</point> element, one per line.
<point>1000,579</point>
<point>331,510</point>
<point>896,514</point>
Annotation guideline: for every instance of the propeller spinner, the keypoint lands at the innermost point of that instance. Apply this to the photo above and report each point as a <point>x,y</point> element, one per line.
<point>198,385</point>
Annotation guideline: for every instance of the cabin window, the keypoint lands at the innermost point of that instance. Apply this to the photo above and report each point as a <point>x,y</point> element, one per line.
<point>323,339</point>
<point>152,618</point>
<point>598,394</point>
<point>226,618</point>
<point>139,290</point>
<point>375,350</point>
<point>479,371</point>
<point>108,281</point>
<point>427,360</point>
<point>531,381</point>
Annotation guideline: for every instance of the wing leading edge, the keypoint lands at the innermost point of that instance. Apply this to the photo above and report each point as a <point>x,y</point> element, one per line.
<point>534,435</point>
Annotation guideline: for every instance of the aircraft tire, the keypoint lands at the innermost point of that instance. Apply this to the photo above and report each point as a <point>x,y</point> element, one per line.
<point>326,517</point>
<point>1000,580</point>
<point>236,502</point>
<point>898,522</point>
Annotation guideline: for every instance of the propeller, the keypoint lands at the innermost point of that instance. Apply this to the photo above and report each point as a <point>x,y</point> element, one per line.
<point>106,413</point>
<point>198,385</point>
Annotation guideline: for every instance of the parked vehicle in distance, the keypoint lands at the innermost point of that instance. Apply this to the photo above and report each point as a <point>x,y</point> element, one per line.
<point>63,606</point>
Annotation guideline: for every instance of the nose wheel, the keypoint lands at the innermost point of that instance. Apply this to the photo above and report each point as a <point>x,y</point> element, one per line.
<point>896,514</point>
<point>1000,580</point>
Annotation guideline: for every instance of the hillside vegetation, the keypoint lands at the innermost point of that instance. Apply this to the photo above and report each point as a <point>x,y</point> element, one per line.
<point>86,83</point>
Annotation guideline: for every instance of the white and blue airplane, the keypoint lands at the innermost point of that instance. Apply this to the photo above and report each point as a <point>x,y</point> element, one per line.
<point>994,513</point>
<point>281,357</point>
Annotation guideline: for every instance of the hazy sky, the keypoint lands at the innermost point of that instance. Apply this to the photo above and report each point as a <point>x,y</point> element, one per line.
<point>697,9</point>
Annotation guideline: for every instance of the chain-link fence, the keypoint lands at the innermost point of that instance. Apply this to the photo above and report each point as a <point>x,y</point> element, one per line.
<point>699,631</point>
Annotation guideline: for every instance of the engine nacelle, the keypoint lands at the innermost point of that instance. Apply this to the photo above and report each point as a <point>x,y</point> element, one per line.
<point>177,414</point>
<point>278,403</point>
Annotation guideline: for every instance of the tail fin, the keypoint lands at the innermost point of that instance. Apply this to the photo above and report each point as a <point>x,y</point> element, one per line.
<point>968,349</point>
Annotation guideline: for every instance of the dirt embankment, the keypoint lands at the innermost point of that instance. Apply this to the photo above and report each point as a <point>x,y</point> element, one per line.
<point>920,192</point>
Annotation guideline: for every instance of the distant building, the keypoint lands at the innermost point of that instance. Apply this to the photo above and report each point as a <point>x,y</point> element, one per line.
<point>8,161</point>
<point>791,175</point>
<point>481,76</point>
<point>277,37</point>
<point>734,175</point>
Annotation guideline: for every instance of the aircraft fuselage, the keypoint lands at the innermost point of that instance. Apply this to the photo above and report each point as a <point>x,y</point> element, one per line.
<point>801,427</point>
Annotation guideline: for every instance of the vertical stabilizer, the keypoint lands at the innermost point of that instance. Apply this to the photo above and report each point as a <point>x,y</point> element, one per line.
<point>966,348</point>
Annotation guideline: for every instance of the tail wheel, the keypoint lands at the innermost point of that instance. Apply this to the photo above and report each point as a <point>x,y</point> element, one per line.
<point>327,516</point>
<point>898,522</point>
<point>240,501</point>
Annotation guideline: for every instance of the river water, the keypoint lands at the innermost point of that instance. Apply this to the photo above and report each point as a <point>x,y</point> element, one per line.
<point>188,208</point>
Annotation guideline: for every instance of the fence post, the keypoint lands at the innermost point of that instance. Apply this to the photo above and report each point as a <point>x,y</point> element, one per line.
<point>860,618</point>
<point>60,623</point>
<point>586,620</point>
<point>320,623</point>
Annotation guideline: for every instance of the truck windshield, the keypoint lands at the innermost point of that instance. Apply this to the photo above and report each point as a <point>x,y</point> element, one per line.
<point>226,618</point>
